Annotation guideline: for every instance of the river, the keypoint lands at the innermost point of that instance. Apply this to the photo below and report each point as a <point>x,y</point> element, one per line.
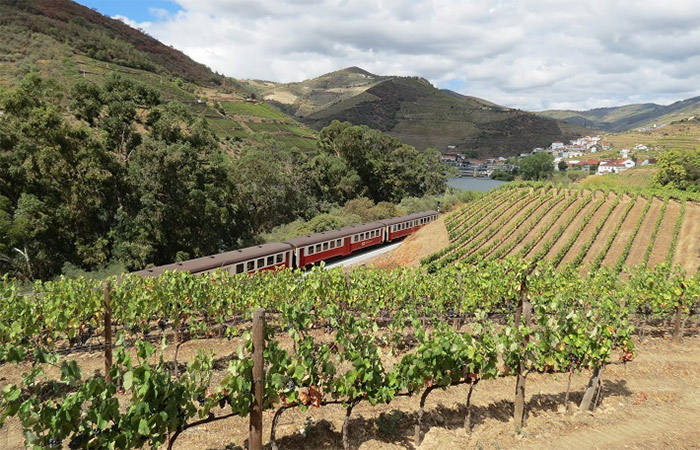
<point>474,184</point>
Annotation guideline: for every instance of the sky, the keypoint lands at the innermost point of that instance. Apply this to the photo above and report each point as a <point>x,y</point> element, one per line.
<point>527,54</point>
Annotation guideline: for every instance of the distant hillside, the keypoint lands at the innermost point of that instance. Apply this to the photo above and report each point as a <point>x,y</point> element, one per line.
<point>416,112</point>
<point>629,117</point>
<point>67,41</point>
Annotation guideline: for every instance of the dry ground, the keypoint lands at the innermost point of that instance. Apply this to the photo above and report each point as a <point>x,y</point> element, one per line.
<point>651,403</point>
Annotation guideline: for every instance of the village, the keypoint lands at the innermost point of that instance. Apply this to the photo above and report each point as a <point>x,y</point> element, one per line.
<point>578,154</point>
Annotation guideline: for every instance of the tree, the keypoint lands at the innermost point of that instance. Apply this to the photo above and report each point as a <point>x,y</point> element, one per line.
<point>539,166</point>
<point>679,169</point>
<point>58,182</point>
<point>562,166</point>
<point>182,199</point>
<point>388,169</point>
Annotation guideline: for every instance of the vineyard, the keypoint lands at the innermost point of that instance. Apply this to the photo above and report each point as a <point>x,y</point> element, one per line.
<point>368,337</point>
<point>580,227</point>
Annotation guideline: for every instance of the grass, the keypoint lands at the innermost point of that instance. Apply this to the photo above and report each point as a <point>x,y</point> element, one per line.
<point>683,135</point>
<point>639,177</point>
<point>225,127</point>
<point>253,109</point>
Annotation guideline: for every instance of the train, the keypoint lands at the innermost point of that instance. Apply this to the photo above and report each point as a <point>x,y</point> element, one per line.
<point>304,251</point>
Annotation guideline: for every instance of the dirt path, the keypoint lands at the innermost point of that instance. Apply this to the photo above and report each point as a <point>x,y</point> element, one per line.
<point>663,239</point>
<point>573,226</point>
<point>565,218</point>
<point>588,230</point>
<point>527,224</point>
<point>415,247</point>
<point>505,235</point>
<point>610,224</point>
<point>641,241</point>
<point>491,218</point>
<point>688,247</point>
<point>510,215</point>
<point>625,232</point>
<point>535,226</point>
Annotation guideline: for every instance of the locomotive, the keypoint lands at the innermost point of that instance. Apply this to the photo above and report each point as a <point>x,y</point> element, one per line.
<point>302,251</point>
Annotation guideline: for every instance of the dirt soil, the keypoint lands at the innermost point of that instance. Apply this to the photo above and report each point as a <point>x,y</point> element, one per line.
<point>662,244</point>
<point>602,237</point>
<point>641,241</point>
<point>625,233</point>
<point>688,246</point>
<point>652,402</point>
<point>429,239</point>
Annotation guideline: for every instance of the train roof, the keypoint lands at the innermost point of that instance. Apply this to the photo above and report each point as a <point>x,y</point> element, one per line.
<point>212,262</point>
<point>333,234</point>
<point>418,215</point>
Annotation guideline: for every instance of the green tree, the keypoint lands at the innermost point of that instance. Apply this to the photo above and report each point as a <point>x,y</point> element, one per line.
<point>562,166</point>
<point>59,182</point>
<point>182,199</point>
<point>272,185</point>
<point>539,166</point>
<point>388,169</point>
<point>679,169</point>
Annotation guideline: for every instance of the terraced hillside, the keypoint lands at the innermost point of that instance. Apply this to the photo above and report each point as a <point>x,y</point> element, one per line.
<point>584,227</point>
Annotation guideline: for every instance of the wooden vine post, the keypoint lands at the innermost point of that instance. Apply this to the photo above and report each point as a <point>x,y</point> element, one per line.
<point>677,320</point>
<point>525,309</point>
<point>255,439</point>
<point>108,331</point>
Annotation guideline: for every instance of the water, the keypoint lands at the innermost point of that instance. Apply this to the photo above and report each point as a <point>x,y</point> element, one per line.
<point>474,184</point>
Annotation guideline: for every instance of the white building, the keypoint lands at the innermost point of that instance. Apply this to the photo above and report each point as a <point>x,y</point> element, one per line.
<point>615,165</point>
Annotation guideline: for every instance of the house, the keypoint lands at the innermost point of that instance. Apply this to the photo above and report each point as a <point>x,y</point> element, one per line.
<point>586,164</point>
<point>615,165</point>
<point>455,157</point>
<point>606,145</point>
<point>556,145</point>
<point>648,161</point>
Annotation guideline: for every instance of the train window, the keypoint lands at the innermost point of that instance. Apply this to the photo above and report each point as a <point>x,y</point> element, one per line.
<point>270,260</point>
<point>325,246</point>
<point>339,243</point>
<point>318,248</point>
<point>279,258</point>
<point>250,266</point>
<point>332,244</point>
<point>239,268</point>
<point>261,262</point>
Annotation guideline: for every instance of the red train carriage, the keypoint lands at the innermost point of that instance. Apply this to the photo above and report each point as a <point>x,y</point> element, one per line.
<point>245,260</point>
<point>328,244</point>
<point>397,227</point>
<point>305,250</point>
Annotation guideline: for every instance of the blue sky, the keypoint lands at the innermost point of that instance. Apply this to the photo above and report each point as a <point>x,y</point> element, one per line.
<point>137,10</point>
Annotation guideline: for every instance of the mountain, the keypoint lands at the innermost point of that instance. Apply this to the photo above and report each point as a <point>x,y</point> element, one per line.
<point>629,117</point>
<point>416,112</point>
<point>67,41</point>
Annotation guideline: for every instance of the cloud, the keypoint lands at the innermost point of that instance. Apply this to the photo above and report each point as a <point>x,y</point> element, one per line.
<point>519,53</point>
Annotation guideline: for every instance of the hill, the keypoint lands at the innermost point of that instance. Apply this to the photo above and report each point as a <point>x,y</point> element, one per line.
<point>629,117</point>
<point>583,227</point>
<point>67,41</point>
<point>416,112</point>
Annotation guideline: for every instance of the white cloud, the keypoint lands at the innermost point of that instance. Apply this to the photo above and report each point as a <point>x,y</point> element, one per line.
<point>519,53</point>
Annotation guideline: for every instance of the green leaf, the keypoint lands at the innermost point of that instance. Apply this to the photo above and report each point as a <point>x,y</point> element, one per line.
<point>144,429</point>
<point>128,380</point>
